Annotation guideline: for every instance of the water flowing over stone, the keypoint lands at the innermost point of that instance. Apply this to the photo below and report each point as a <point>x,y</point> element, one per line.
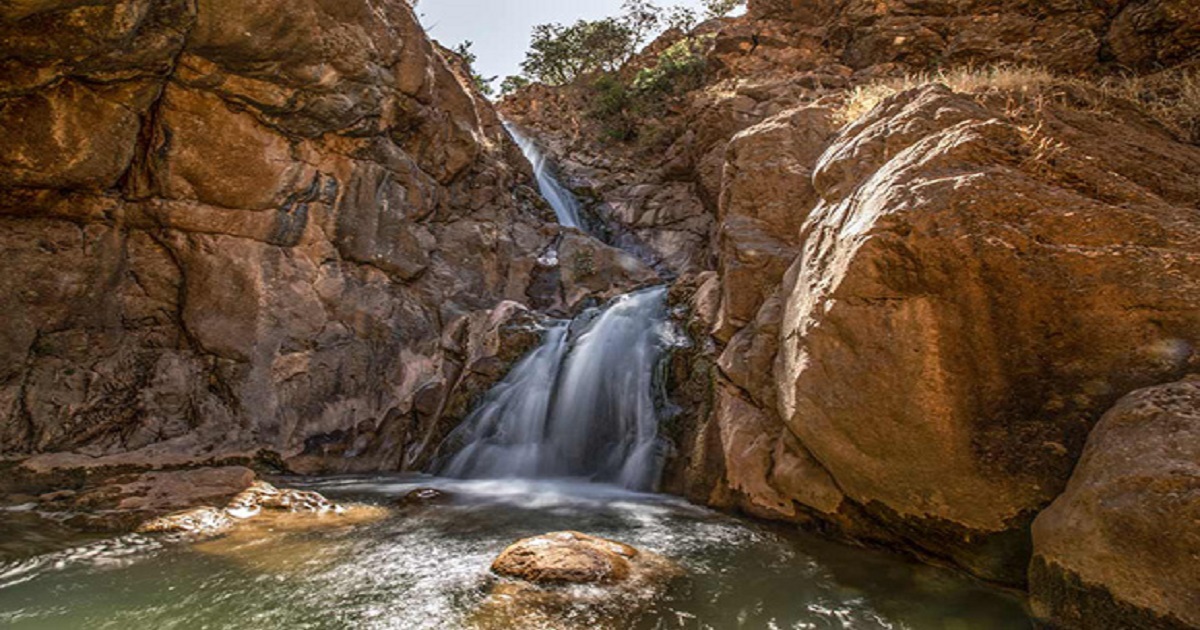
<point>566,206</point>
<point>583,404</point>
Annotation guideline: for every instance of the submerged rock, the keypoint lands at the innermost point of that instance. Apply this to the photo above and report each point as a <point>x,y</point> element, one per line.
<point>264,496</point>
<point>424,496</point>
<point>200,521</point>
<point>179,501</point>
<point>573,580</point>
<point>124,502</point>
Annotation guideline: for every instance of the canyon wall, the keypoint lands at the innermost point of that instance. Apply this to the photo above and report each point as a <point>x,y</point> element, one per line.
<point>275,231</point>
<point>921,300</point>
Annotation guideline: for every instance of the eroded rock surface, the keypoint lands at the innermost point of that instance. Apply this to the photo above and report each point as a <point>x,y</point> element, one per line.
<point>1119,547</point>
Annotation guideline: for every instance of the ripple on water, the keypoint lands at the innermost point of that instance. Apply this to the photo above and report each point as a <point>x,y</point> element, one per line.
<point>426,567</point>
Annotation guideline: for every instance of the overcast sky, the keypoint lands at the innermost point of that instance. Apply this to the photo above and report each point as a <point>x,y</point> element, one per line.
<point>500,28</point>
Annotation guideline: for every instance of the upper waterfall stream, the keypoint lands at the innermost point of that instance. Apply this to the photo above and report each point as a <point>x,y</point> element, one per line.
<point>566,206</point>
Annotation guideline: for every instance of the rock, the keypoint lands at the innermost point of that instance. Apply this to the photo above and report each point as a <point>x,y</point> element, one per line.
<point>121,502</point>
<point>958,317</point>
<point>572,580</point>
<point>59,495</point>
<point>566,557</point>
<point>1119,548</point>
<point>204,521</point>
<point>424,496</point>
<point>264,496</point>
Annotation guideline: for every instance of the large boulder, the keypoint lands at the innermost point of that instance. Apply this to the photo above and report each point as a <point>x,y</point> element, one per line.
<point>965,307</point>
<point>969,296</point>
<point>573,580</point>
<point>1120,548</point>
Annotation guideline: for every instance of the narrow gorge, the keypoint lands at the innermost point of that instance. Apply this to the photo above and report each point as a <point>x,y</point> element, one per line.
<point>802,313</point>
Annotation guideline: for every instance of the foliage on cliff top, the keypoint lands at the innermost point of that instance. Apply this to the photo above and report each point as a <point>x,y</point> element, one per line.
<point>563,54</point>
<point>624,105</point>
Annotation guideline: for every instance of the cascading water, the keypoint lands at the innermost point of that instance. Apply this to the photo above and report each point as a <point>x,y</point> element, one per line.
<point>582,405</point>
<point>566,206</point>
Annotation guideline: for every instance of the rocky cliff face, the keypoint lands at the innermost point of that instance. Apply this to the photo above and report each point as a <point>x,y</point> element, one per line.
<point>256,228</point>
<point>1069,36</point>
<point>916,310</point>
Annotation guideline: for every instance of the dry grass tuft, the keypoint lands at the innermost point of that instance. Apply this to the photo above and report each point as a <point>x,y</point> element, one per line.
<point>1172,97</point>
<point>968,80</point>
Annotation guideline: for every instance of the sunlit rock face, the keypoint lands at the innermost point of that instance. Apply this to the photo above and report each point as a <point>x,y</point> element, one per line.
<point>965,308</point>
<point>231,227</point>
<point>960,311</point>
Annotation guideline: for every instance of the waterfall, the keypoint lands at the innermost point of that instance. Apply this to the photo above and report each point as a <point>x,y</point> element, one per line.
<point>582,405</point>
<point>566,206</point>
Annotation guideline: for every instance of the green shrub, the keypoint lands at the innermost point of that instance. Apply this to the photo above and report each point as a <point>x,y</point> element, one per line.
<point>621,107</point>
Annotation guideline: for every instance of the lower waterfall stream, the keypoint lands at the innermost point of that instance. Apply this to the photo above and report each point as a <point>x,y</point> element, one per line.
<point>582,405</point>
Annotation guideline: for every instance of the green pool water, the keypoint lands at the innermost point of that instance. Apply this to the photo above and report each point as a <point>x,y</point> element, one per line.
<point>427,567</point>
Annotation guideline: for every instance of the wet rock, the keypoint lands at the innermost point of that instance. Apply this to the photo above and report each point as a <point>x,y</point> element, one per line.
<point>204,521</point>
<point>122,502</point>
<point>563,557</point>
<point>264,496</point>
<point>424,496</point>
<point>1119,548</point>
<point>572,580</point>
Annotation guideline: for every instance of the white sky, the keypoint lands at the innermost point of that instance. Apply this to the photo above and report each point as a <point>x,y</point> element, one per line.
<point>500,28</point>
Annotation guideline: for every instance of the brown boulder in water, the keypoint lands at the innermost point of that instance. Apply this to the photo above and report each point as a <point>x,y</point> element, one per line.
<point>566,557</point>
<point>573,580</point>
